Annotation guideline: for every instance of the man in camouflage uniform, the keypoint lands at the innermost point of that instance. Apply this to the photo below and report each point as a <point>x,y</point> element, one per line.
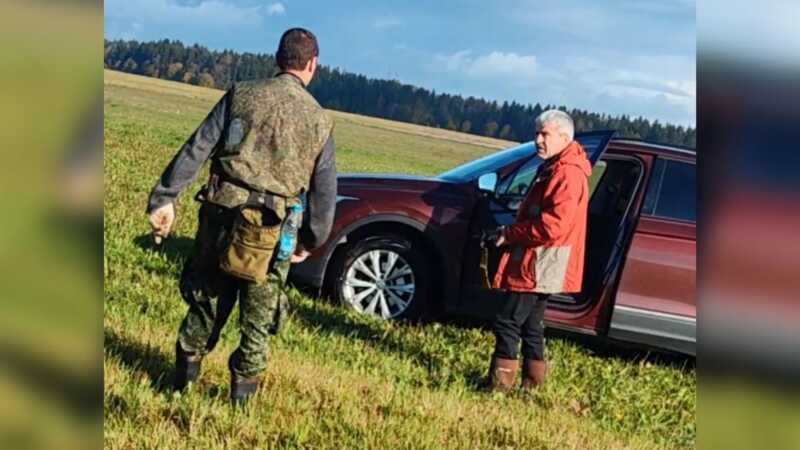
<point>269,142</point>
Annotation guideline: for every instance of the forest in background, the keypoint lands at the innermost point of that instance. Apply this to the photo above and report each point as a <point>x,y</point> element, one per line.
<point>390,99</point>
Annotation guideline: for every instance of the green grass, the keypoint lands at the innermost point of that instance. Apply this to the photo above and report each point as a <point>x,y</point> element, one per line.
<point>336,379</point>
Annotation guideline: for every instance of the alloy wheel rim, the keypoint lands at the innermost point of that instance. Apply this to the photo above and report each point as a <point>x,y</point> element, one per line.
<point>379,283</point>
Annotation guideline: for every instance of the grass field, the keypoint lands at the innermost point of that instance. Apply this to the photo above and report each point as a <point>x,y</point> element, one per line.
<point>337,380</point>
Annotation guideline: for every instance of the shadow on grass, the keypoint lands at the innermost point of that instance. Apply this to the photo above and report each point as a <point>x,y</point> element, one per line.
<point>150,361</point>
<point>342,322</point>
<point>596,345</point>
<point>177,249</point>
<point>606,348</point>
<point>143,358</point>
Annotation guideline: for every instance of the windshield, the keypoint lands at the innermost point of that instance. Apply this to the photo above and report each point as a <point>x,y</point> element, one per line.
<point>487,164</point>
<point>593,142</point>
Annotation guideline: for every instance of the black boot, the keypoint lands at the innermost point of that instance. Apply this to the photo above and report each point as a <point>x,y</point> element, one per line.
<point>187,367</point>
<point>242,389</point>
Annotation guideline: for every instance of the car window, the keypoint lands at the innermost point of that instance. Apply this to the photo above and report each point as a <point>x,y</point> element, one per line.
<point>597,174</point>
<point>517,183</point>
<point>672,192</point>
<point>488,164</point>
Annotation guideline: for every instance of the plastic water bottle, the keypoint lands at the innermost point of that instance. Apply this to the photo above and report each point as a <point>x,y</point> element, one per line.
<point>291,225</point>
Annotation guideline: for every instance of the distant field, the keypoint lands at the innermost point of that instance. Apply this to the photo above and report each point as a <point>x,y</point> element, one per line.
<point>388,146</point>
<point>336,380</point>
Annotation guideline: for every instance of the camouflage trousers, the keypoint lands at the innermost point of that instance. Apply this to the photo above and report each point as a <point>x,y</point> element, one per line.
<point>212,294</point>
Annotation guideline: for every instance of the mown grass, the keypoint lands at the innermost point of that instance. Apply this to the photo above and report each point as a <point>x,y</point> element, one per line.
<point>336,380</point>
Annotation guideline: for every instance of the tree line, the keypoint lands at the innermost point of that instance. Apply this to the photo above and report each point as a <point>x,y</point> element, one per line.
<point>344,91</point>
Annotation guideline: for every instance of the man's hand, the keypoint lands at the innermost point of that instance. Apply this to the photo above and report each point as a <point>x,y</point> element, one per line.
<point>300,255</point>
<point>161,220</point>
<point>500,240</point>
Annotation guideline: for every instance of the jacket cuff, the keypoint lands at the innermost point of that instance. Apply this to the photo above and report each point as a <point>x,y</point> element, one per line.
<point>157,202</point>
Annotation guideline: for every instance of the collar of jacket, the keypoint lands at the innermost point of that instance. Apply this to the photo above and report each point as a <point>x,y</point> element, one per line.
<point>574,155</point>
<point>290,76</point>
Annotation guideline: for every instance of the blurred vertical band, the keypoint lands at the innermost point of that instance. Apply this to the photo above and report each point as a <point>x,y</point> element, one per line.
<point>51,227</point>
<point>749,153</point>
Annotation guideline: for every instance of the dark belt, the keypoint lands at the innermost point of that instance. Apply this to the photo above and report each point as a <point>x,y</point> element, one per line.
<point>254,198</point>
<point>261,199</point>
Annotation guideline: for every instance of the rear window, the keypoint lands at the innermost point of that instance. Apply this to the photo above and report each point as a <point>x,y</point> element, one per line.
<point>672,193</point>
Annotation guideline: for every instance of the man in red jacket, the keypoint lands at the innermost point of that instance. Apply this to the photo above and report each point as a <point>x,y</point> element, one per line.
<point>544,252</point>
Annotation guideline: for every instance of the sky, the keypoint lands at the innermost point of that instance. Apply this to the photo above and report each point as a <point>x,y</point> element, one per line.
<point>634,57</point>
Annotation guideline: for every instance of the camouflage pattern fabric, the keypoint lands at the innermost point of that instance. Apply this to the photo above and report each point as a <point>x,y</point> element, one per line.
<point>212,294</point>
<point>275,134</point>
<point>231,196</point>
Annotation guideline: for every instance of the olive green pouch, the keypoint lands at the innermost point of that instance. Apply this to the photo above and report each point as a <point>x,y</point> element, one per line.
<point>251,244</point>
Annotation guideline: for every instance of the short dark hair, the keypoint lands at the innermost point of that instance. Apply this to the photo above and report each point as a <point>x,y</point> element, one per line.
<point>296,49</point>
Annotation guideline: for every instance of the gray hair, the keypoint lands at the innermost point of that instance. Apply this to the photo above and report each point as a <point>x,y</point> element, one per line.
<point>560,118</point>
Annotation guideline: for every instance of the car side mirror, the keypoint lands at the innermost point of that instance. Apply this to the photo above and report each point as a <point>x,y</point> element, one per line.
<point>487,182</point>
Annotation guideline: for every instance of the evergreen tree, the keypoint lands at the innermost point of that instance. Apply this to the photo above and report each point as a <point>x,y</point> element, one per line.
<point>344,91</point>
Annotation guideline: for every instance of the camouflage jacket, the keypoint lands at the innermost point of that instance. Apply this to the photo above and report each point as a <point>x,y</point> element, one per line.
<point>275,134</point>
<point>205,143</point>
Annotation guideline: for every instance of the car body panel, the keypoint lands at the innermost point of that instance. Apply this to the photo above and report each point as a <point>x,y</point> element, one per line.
<point>656,298</point>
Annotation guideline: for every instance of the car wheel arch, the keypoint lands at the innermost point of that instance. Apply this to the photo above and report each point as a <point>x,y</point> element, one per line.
<point>386,225</point>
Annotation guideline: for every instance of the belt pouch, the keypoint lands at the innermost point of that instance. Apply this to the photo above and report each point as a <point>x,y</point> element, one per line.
<point>251,244</point>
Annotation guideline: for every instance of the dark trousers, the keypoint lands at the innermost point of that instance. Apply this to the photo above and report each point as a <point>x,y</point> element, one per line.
<point>520,318</point>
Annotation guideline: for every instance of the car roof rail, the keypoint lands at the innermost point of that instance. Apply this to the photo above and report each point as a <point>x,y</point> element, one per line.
<point>658,146</point>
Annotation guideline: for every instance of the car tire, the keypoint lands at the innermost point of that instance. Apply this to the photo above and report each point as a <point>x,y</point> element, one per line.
<point>401,290</point>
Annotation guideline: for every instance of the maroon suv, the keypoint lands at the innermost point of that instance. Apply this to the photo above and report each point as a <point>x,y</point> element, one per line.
<point>406,246</point>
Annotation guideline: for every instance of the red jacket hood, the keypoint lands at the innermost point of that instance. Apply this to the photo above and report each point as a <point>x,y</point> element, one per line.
<point>574,155</point>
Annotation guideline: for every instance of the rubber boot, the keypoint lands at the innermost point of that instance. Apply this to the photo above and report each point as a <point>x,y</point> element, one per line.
<point>242,389</point>
<point>502,374</point>
<point>187,367</point>
<point>534,373</point>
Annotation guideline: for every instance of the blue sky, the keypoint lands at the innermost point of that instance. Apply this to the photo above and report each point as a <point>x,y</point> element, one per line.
<point>634,57</point>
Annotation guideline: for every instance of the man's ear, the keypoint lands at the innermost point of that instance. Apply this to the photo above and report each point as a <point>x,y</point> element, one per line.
<point>311,65</point>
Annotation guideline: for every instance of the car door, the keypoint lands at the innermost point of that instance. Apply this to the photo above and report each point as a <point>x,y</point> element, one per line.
<point>500,208</point>
<point>655,301</point>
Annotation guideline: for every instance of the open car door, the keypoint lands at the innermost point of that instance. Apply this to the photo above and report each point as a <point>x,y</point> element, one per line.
<point>500,208</point>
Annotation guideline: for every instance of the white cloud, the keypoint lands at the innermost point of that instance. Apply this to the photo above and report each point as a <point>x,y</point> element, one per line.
<point>646,84</point>
<point>276,8</point>
<point>493,65</point>
<point>454,61</point>
<point>651,85</point>
<point>503,64</point>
